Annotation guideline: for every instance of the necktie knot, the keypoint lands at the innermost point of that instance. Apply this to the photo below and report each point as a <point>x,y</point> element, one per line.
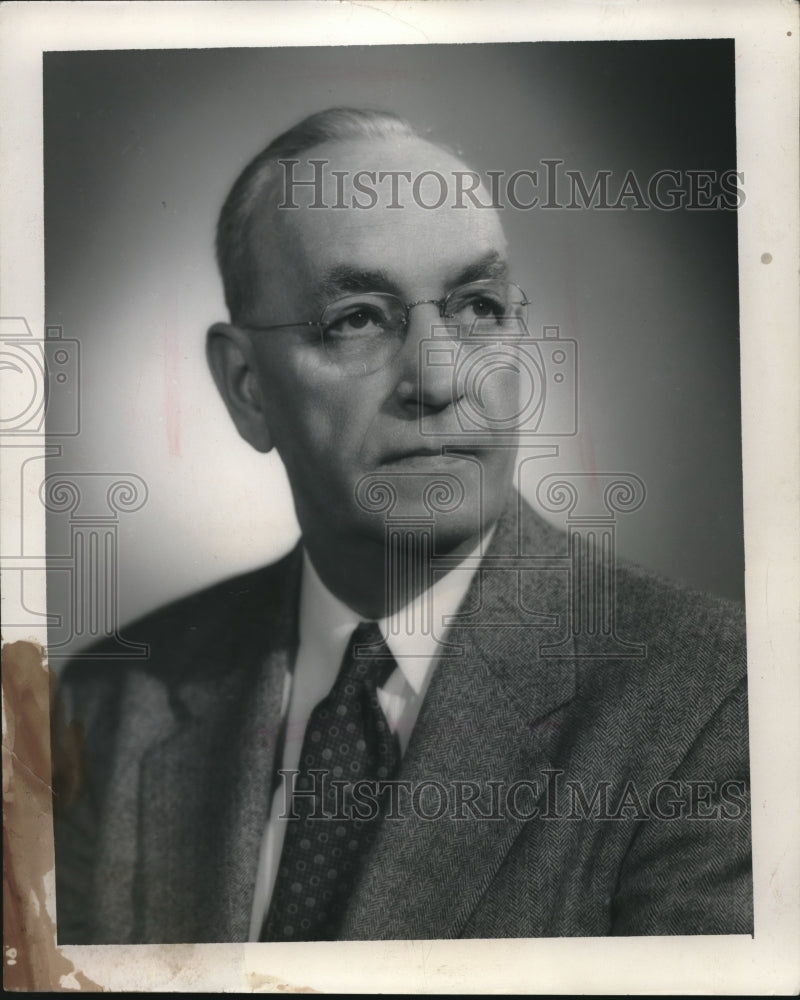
<point>367,659</point>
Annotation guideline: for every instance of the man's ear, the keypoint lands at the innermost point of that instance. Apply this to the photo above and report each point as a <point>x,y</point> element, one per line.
<point>233,364</point>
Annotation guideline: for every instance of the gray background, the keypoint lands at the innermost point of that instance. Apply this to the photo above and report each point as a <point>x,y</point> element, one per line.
<point>140,149</point>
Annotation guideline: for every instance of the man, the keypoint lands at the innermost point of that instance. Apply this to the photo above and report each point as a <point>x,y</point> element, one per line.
<point>397,731</point>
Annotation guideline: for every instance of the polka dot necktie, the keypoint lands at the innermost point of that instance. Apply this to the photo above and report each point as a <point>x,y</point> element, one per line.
<point>348,740</point>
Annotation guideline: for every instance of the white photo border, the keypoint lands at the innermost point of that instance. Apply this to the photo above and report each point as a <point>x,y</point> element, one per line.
<point>766,37</point>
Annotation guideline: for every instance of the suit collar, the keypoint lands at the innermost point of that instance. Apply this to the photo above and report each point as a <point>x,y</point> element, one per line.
<point>326,623</point>
<point>518,602</point>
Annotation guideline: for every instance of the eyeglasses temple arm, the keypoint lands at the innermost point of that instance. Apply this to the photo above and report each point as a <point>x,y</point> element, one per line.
<point>276,326</point>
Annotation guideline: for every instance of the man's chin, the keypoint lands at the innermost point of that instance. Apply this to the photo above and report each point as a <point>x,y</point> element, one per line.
<point>450,497</point>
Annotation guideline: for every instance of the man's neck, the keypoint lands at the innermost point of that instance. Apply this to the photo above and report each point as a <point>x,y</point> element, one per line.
<point>377,583</point>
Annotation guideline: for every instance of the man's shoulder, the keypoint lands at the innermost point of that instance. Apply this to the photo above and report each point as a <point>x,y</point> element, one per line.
<point>678,628</point>
<point>637,583</point>
<point>196,631</point>
<point>660,669</point>
<point>692,651</point>
<point>671,615</point>
<point>663,602</point>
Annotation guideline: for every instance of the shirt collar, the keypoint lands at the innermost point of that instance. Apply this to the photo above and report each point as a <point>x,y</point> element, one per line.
<point>328,623</point>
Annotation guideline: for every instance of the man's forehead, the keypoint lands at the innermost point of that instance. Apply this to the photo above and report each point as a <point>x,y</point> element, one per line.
<point>397,203</point>
<point>391,172</point>
<point>399,153</point>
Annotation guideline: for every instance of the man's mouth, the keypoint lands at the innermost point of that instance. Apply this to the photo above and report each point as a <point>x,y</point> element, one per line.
<point>431,453</point>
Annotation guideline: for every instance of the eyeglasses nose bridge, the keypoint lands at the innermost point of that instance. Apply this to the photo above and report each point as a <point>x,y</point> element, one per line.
<point>439,303</point>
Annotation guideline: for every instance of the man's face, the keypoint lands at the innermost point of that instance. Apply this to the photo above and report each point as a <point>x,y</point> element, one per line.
<point>333,429</point>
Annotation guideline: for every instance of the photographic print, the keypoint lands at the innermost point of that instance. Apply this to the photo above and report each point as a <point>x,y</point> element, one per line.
<point>386,426</point>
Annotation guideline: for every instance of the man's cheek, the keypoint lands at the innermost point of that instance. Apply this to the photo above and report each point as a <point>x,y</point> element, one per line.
<point>330,452</point>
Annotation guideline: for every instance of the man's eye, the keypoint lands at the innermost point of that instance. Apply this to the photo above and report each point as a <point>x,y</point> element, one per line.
<point>360,320</point>
<point>486,307</point>
<point>481,307</point>
<point>357,322</point>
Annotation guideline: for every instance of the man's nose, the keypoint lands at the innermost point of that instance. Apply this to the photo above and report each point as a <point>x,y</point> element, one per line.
<point>427,370</point>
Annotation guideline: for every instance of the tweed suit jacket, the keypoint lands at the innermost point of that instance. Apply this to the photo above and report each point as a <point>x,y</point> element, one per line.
<point>631,810</point>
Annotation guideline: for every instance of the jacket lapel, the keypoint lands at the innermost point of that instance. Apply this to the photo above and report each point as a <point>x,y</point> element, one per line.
<point>488,720</point>
<point>205,789</point>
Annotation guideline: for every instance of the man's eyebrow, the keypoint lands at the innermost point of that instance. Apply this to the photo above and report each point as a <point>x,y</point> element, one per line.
<point>491,265</point>
<point>344,279</point>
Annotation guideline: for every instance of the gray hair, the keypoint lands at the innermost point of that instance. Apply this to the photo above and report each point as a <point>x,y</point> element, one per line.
<point>234,228</point>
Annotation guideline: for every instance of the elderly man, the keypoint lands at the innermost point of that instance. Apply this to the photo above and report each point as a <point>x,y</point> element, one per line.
<point>396,731</point>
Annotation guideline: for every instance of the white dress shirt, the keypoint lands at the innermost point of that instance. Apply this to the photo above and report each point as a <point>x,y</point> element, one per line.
<point>325,626</point>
